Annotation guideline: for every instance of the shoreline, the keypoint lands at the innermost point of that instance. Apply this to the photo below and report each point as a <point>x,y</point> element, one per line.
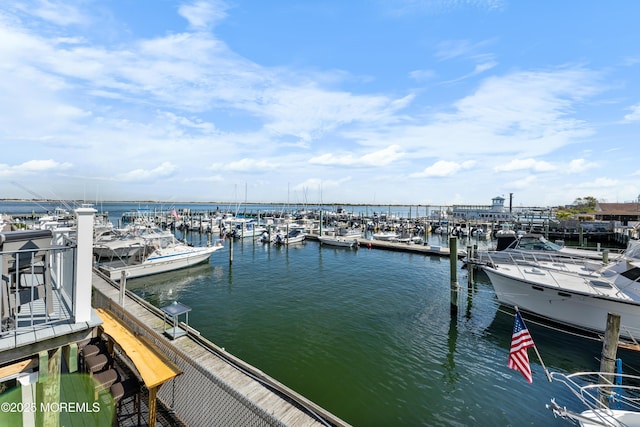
<point>337,204</point>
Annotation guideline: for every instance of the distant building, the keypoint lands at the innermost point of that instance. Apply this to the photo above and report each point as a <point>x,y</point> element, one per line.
<point>495,212</point>
<point>622,212</point>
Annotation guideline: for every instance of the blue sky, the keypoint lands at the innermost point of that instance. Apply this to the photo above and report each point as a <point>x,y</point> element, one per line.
<point>433,102</point>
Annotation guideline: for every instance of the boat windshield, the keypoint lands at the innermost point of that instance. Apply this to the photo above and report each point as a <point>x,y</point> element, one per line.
<point>534,243</point>
<point>633,250</point>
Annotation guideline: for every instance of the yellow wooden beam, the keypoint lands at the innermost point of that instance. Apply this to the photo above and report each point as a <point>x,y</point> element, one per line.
<point>16,368</point>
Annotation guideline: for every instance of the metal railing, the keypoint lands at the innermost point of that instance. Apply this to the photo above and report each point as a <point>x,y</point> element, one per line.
<point>36,288</point>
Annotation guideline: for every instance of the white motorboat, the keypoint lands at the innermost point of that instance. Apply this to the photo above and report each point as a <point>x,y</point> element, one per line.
<point>576,294</point>
<point>345,242</point>
<point>159,256</point>
<point>128,241</point>
<point>534,247</point>
<point>622,394</point>
<point>387,236</point>
<point>295,235</point>
<point>239,228</point>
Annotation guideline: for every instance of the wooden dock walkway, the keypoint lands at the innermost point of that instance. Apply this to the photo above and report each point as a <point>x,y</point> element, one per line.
<point>246,381</point>
<point>401,247</point>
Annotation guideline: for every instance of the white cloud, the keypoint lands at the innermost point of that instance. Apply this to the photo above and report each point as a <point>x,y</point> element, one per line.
<point>485,66</point>
<point>600,183</point>
<point>165,170</point>
<point>212,178</point>
<point>377,158</point>
<point>247,165</point>
<point>317,184</point>
<point>525,164</point>
<point>634,115</point>
<point>443,168</point>
<point>33,166</point>
<point>422,75</point>
<point>203,14</point>
<point>523,183</point>
<point>57,12</point>
<point>450,49</point>
<point>580,165</point>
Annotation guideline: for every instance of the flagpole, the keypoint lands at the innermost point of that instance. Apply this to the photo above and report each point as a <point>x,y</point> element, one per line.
<point>537,352</point>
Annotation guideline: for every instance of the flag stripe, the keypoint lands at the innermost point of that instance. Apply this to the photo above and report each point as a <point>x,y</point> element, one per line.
<point>520,341</point>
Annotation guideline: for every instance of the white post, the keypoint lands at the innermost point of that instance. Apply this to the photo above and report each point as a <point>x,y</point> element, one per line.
<point>84,265</point>
<point>123,287</point>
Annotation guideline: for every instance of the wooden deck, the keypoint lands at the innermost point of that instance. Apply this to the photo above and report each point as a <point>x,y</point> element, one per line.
<point>273,397</point>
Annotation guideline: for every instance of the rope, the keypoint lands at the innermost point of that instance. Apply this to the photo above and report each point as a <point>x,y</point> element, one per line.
<point>553,328</point>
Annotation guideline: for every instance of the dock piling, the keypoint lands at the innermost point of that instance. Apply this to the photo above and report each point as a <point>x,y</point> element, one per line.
<point>470,255</point>
<point>453,262</point>
<point>609,350</point>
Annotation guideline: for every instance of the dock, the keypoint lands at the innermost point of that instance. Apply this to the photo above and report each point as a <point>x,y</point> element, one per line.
<point>216,388</point>
<point>401,247</point>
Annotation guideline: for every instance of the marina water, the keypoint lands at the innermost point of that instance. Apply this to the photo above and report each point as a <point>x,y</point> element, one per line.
<point>368,333</point>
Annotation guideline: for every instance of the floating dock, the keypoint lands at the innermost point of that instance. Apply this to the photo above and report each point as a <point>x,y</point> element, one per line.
<point>401,247</point>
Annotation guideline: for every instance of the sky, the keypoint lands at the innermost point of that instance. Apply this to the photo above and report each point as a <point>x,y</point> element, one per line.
<point>422,102</point>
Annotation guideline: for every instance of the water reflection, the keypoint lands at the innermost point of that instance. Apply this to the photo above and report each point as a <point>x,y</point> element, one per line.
<point>451,374</point>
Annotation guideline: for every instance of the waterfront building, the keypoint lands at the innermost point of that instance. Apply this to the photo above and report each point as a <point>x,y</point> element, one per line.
<point>496,212</point>
<point>625,213</point>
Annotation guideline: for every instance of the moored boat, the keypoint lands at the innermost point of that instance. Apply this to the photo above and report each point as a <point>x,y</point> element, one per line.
<point>295,235</point>
<point>620,391</point>
<point>511,248</point>
<point>577,294</point>
<point>160,255</point>
<point>339,241</point>
<point>128,241</point>
<point>387,236</point>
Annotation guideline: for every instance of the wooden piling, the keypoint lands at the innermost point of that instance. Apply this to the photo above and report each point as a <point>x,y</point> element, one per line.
<point>470,267</point>
<point>230,250</point>
<point>580,237</point>
<point>609,351</point>
<point>453,262</point>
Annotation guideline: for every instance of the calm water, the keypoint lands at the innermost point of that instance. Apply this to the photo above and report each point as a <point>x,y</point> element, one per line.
<point>368,334</point>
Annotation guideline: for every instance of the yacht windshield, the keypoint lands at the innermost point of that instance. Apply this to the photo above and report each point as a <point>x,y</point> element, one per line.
<point>534,243</point>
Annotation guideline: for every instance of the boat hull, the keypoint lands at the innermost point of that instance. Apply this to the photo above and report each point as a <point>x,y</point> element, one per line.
<point>562,305</point>
<point>160,264</point>
<point>338,242</point>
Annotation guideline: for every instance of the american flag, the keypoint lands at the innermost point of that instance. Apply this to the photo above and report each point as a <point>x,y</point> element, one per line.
<point>520,342</point>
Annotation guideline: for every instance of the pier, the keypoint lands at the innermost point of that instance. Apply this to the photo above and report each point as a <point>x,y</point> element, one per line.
<point>400,247</point>
<point>216,388</point>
